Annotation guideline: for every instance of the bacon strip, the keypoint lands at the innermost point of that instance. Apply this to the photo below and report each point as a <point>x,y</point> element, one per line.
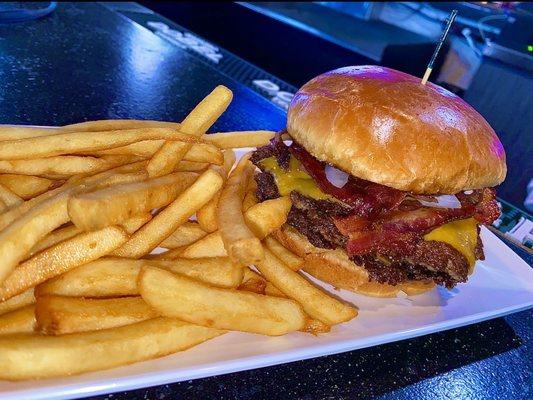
<point>366,198</point>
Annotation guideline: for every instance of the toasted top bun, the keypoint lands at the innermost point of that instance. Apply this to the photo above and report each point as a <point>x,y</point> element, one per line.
<point>384,126</point>
<point>334,267</point>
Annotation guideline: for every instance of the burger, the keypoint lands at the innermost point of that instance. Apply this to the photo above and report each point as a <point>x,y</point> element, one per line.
<point>389,179</point>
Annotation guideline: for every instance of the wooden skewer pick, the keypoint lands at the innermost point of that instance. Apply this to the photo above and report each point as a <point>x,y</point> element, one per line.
<point>451,18</point>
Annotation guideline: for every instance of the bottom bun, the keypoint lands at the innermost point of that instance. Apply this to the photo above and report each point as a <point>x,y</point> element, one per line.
<point>334,267</point>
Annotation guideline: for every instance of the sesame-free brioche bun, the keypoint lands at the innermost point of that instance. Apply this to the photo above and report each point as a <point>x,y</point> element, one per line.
<point>335,268</point>
<point>384,126</point>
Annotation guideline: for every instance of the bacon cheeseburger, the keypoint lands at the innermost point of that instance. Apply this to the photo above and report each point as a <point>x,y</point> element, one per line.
<point>389,181</point>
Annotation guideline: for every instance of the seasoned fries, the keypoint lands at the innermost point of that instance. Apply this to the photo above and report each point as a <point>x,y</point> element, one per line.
<point>109,206</point>
<point>239,240</point>
<point>195,124</point>
<point>127,240</point>
<point>58,315</point>
<point>198,303</point>
<point>33,356</point>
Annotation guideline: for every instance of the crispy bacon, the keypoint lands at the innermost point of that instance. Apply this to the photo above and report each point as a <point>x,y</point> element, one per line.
<point>366,198</point>
<point>484,201</point>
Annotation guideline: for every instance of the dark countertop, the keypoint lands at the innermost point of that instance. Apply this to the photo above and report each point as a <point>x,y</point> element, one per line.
<point>87,62</point>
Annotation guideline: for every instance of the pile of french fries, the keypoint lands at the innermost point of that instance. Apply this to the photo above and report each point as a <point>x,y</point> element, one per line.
<point>84,206</point>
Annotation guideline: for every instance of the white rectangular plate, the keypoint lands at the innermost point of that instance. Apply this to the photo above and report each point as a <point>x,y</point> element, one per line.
<point>502,284</point>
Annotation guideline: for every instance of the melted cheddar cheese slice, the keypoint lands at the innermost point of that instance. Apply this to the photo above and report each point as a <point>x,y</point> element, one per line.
<point>295,178</point>
<point>461,235</point>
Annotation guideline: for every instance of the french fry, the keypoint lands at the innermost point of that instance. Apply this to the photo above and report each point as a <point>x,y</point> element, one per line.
<point>199,303</point>
<point>61,166</point>
<point>253,282</point>
<point>166,255</point>
<point>267,216</point>
<point>169,219</point>
<point>112,277</point>
<point>14,303</point>
<point>196,124</point>
<point>34,356</point>
<point>282,253</point>
<point>55,237</point>
<point>117,124</point>
<point>62,234</point>
<point>317,303</point>
<point>109,206</point>
<point>199,152</point>
<point>191,166</point>
<point>209,246</point>
<point>21,320</point>
<point>184,235</point>
<point>233,140</point>
<point>250,199</point>
<point>27,186</point>
<point>17,239</point>
<point>51,262</point>
<point>239,241</point>
<point>206,215</point>
<point>59,315</point>
<point>76,142</point>
<point>9,198</point>
<point>14,132</point>
<point>3,207</point>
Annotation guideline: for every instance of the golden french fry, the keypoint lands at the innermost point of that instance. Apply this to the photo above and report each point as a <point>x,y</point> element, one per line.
<point>3,207</point>
<point>169,219</point>
<point>268,216</point>
<point>62,234</point>
<point>61,166</point>
<point>112,277</point>
<point>9,198</point>
<point>59,315</point>
<point>199,152</point>
<point>51,262</point>
<point>27,186</point>
<point>232,140</point>
<point>250,199</point>
<point>281,252</point>
<point>317,303</point>
<point>134,223</point>
<point>55,237</point>
<point>34,356</point>
<point>113,180</point>
<point>206,215</point>
<point>76,142</point>
<point>184,235</point>
<point>199,303</point>
<point>240,242</point>
<point>209,246</point>
<point>253,282</point>
<point>166,255</point>
<point>18,321</point>
<point>14,303</point>
<point>117,124</point>
<point>17,239</point>
<point>109,206</point>
<point>191,166</point>
<point>196,124</point>
<point>13,132</point>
